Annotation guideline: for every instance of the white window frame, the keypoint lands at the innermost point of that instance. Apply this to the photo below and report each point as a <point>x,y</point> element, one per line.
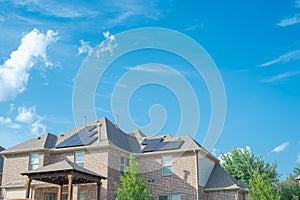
<point>79,162</point>
<point>162,195</point>
<point>122,164</point>
<point>166,165</point>
<point>34,163</point>
<point>175,195</point>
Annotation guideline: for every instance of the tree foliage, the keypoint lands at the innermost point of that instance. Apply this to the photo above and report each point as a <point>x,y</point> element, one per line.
<point>133,185</point>
<point>290,189</point>
<point>262,188</point>
<point>242,164</point>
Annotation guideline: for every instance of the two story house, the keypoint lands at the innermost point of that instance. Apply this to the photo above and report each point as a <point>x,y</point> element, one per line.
<point>86,164</point>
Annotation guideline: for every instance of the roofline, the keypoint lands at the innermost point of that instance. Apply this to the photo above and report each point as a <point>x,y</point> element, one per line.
<point>24,151</point>
<point>226,189</point>
<point>77,148</point>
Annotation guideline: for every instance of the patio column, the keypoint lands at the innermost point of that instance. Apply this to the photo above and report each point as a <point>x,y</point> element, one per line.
<point>99,190</point>
<point>70,187</point>
<point>28,183</point>
<point>59,192</point>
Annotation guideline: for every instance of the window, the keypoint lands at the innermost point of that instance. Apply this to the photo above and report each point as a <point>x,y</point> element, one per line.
<point>34,161</point>
<point>175,197</point>
<point>122,165</point>
<point>50,196</point>
<point>82,196</point>
<point>64,196</point>
<point>167,167</point>
<point>162,197</point>
<point>79,158</point>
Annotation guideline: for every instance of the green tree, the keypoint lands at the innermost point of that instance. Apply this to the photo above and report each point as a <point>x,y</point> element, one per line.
<point>289,188</point>
<point>261,188</point>
<point>133,186</point>
<point>243,164</point>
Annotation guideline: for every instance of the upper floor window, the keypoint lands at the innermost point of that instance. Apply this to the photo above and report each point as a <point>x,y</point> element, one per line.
<point>34,161</point>
<point>79,158</point>
<point>123,164</point>
<point>167,165</point>
<point>175,197</point>
<point>162,197</point>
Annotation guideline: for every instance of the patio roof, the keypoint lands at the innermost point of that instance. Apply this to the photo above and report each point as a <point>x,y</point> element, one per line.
<point>57,174</point>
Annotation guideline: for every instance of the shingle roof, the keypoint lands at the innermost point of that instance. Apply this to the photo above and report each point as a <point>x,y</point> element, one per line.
<point>220,179</point>
<point>45,141</point>
<point>110,135</point>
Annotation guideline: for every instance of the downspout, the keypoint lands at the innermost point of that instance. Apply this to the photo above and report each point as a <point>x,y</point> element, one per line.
<point>197,177</point>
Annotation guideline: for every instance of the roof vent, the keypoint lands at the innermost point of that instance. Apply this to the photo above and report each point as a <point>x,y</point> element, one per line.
<point>38,137</point>
<point>62,135</point>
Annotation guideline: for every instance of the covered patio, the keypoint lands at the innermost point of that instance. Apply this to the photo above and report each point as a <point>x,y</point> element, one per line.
<point>63,173</point>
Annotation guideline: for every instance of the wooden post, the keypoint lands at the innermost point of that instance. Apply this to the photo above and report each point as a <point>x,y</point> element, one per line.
<point>59,192</point>
<point>28,187</point>
<point>70,187</point>
<point>99,190</point>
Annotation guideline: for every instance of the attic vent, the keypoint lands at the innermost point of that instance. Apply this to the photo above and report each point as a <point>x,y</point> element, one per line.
<point>38,137</point>
<point>62,135</point>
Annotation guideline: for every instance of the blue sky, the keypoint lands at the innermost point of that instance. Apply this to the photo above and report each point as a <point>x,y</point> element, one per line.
<point>254,44</point>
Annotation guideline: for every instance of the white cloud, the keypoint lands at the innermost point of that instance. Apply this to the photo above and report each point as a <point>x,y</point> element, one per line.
<point>85,48</point>
<point>9,123</point>
<point>281,76</point>
<point>108,44</point>
<point>38,127</point>
<point>290,21</point>
<point>14,73</point>
<point>280,148</point>
<point>26,115</point>
<point>287,57</point>
<point>5,120</point>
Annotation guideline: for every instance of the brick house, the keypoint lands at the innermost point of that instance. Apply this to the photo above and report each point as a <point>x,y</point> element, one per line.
<point>86,162</point>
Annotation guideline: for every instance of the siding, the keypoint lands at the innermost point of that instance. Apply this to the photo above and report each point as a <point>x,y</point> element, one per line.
<point>205,167</point>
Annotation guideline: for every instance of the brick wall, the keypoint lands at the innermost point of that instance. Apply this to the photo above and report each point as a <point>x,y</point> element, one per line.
<point>13,166</point>
<point>182,181</point>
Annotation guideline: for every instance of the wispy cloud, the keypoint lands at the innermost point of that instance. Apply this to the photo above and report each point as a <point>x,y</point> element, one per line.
<point>2,19</point>
<point>280,77</point>
<point>14,73</point>
<point>290,21</point>
<point>84,48</point>
<point>298,158</point>
<point>287,57</point>
<point>280,148</point>
<point>55,8</point>
<point>119,19</point>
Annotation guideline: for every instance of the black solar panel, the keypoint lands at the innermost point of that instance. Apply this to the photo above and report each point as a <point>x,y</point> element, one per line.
<point>168,145</point>
<point>150,147</point>
<point>79,139</point>
<point>159,145</point>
